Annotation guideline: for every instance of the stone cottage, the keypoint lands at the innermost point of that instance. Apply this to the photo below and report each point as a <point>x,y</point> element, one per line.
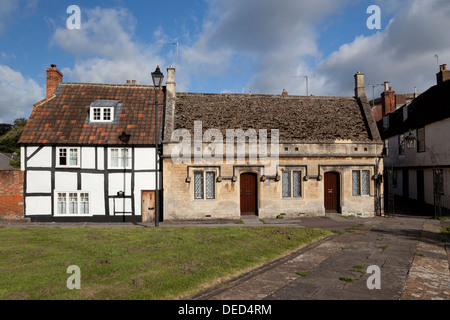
<point>228,155</point>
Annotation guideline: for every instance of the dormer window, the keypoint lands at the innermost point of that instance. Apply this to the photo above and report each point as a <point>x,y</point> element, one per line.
<point>386,122</point>
<point>103,111</point>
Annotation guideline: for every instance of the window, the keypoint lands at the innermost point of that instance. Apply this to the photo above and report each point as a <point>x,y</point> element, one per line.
<point>120,158</point>
<point>68,157</point>
<point>104,114</point>
<point>103,110</point>
<point>204,183</point>
<point>421,140</point>
<point>360,183</point>
<point>292,184</point>
<point>72,203</point>
<point>386,148</point>
<point>386,122</point>
<point>401,144</point>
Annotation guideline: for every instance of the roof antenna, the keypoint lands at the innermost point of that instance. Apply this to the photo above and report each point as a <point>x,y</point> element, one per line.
<point>172,43</point>
<point>437,59</point>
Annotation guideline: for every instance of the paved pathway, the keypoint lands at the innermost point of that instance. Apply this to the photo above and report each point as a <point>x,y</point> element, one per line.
<point>412,259</point>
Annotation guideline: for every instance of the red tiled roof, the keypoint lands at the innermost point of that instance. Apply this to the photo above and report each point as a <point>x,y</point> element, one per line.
<point>64,118</point>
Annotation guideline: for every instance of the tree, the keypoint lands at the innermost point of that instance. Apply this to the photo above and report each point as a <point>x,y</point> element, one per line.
<point>9,141</point>
<point>4,128</point>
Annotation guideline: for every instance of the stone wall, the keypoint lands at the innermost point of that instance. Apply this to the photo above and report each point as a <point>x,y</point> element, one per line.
<point>179,202</point>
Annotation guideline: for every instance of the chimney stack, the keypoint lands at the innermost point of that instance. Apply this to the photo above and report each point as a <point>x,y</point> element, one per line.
<point>54,77</point>
<point>360,88</point>
<point>171,94</point>
<point>443,75</point>
<point>284,93</point>
<point>388,100</point>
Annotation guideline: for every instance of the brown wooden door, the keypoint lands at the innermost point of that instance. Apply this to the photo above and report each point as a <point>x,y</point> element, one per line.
<point>248,194</point>
<point>148,206</point>
<point>332,192</point>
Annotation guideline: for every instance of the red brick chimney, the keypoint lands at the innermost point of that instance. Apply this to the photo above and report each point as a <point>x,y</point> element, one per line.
<point>443,75</point>
<point>54,77</point>
<point>387,100</point>
<point>284,93</point>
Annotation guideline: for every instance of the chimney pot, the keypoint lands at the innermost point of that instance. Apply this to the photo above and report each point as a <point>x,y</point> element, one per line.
<point>54,77</point>
<point>443,75</point>
<point>360,88</point>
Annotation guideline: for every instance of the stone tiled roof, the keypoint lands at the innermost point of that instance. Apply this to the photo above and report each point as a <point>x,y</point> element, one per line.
<point>298,118</point>
<point>64,118</point>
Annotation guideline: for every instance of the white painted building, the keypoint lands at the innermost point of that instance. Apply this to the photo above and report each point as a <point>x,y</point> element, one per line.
<point>76,166</point>
<point>417,145</point>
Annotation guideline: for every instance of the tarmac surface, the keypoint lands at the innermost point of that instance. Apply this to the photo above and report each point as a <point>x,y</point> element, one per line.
<point>410,259</point>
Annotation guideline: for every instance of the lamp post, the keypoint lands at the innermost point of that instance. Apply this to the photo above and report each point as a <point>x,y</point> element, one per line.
<point>157,78</point>
<point>124,138</point>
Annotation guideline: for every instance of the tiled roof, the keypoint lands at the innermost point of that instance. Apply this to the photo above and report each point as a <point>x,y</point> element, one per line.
<point>64,118</point>
<point>298,118</point>
<point>429,107</point>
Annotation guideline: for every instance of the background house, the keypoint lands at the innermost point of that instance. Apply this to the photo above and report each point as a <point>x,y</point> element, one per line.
<point>327,157</point>
<point>417,154</point>
<point>88,152</point>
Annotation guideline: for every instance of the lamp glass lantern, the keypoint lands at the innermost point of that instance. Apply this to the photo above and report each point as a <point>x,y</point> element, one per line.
<point>157,77</point>
<point>410,141</point>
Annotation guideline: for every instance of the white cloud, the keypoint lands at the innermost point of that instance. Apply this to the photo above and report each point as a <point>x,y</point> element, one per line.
<point>274,37</point>
<point>106,49</point>
<point>402,53</point>
<point>17,95</point>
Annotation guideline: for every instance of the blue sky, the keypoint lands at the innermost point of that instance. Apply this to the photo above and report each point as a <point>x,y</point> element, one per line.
<point>238,46</point>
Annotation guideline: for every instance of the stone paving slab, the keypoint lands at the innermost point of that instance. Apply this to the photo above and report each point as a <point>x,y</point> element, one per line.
<point>392,244</point>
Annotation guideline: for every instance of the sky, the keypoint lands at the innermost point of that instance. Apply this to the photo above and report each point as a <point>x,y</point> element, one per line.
<point>224,46</point>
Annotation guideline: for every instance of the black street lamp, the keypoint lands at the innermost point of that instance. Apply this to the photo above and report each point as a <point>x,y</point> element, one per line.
<point>157,78</point>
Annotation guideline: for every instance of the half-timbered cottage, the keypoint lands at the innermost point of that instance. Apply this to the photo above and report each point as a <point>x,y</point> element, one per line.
<point>88,152</point>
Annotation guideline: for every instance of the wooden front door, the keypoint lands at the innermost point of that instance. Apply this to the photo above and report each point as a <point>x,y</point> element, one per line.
<point>332,192</point>
<point>148,206</point>
<point>248,194</point>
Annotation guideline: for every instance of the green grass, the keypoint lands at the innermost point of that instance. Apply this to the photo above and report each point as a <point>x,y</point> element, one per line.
<point>359,268</point>
<point>136,263</point>
<point>347,279</point>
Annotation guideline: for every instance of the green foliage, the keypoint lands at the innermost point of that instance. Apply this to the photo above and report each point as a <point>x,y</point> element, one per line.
<point>9,140</point>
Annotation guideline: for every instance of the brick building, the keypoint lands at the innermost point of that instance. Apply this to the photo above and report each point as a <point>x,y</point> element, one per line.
<point>11,193</point>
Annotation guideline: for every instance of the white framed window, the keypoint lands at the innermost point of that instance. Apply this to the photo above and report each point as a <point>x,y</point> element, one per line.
<point>360,183</point>
<point>292,184</point>
<point>102,114</point>
<point>68,156</point>
<point>74,203</point>
<point>120,158</point>
<point>204,185</point>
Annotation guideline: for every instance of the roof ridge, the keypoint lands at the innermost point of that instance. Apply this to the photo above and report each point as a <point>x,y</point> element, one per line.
<point>108,84</point>
<point>257,95</point>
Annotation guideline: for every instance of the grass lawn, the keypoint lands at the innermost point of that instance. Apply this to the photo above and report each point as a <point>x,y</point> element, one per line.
<point>136,263</point>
